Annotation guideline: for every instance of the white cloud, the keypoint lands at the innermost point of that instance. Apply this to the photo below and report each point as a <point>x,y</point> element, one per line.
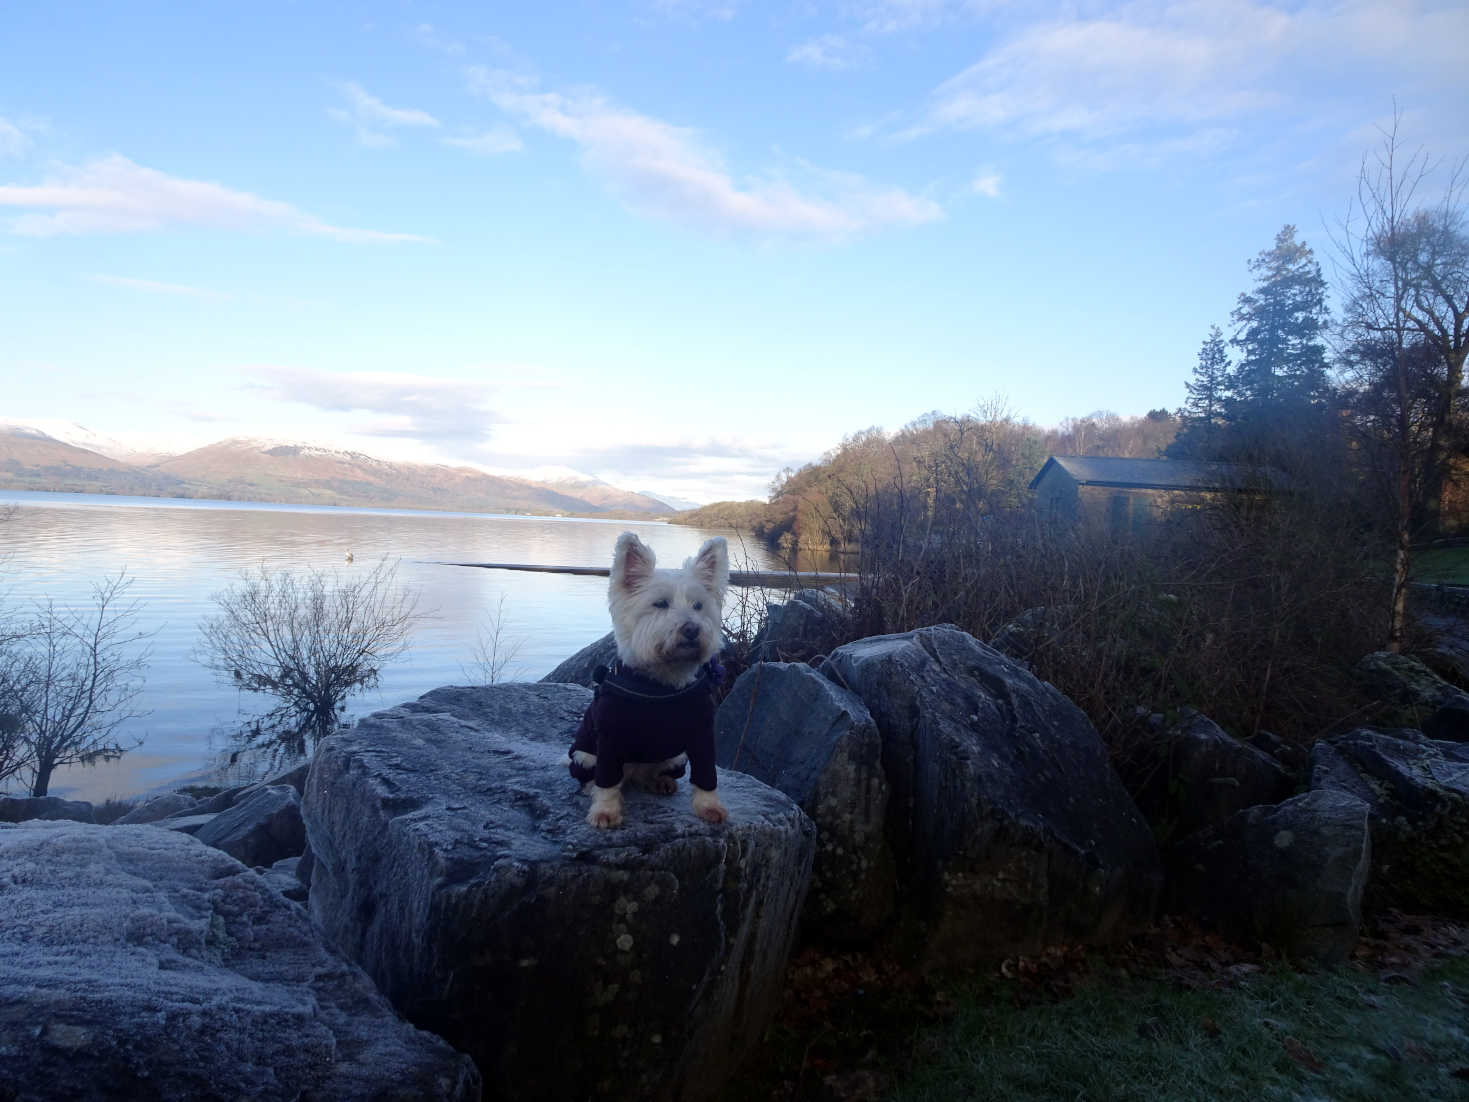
<point>498,139</point>
<point>1099,77</point>
<point>828,51</point>
<point>13,140</point>
<point>115,195</point>
<point>721,11</point>
<point>403,406</point>
<point>987,183</point>
<point>1180,66</point>
<point>667,171</point>
<point>892,16</point>
<point>368,116</point>
<point>372,109</point>
<point>429,36</point>
<point>155,287</point>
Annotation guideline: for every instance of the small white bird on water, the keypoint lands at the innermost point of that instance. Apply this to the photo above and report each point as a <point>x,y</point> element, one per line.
<point>349,556</point>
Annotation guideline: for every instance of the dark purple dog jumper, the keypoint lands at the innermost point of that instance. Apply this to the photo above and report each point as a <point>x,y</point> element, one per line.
<point>635,719</point>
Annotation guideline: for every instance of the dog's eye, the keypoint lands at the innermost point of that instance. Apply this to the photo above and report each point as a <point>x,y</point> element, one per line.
<point>698,605</point>
<point>660,603</point>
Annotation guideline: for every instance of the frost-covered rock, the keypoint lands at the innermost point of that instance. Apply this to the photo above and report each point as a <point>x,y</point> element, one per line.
<point>136,963</point>
<point>160,807</point>
<point>578,669</point>
<point>1009,826</point>
<point>452,859</point>
<point>1418,792</point>
<point>19,809</point>
<point>261,829</point>
<point>806,625</point>
<point>1412,695</point>
<point>1291,874</point>
<point>799,732</point>
<point>1204,777</point>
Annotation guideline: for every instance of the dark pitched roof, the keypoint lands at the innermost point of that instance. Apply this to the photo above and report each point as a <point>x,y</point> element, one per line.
<point>1157,474</point>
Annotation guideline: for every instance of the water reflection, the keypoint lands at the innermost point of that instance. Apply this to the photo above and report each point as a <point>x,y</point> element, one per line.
<point>180,553</point>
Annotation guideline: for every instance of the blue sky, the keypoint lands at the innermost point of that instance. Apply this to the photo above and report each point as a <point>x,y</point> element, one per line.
<point>673,243</point>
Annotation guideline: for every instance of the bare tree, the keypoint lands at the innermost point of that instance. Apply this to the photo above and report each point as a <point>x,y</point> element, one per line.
<point>73,685</point>
<point>494,649</point>
<point>1405,333</point>
<point>13,748</point>
<point>309,639</point>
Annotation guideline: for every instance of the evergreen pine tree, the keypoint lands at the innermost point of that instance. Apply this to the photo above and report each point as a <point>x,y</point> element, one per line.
<point>1204,414</point>
<point>1278,332</point>
<point>1209,392</point>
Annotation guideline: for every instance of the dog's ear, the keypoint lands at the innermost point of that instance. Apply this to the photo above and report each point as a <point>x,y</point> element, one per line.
<point>632,562</point>
<point>711,565</point>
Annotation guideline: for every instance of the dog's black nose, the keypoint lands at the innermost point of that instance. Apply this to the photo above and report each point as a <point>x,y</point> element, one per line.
<point>690,631</point>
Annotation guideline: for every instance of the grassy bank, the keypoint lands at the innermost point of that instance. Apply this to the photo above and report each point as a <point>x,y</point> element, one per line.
<point>1183,1016</point>
<point>1442,565</point>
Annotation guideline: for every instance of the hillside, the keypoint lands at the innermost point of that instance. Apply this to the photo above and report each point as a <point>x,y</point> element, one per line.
<point>32,460</point>
<point>300,474</point>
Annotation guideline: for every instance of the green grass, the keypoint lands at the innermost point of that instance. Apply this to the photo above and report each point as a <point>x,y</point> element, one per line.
<point>1448,565</point>
<point>1342,1035</point>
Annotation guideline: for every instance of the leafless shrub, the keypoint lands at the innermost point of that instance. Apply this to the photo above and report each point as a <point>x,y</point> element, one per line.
<point>495,650</point>
<point>309,639</point>
<point>1252,610</point>
<point>68,682</point>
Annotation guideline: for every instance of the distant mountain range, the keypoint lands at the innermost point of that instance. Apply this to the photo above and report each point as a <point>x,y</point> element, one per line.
<point>68,458</point>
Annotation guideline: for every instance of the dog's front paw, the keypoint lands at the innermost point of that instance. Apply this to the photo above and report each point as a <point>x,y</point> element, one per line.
<point>708,807</point>
<point>606,810</point>
<point>664,785</point>
<point>603,819</point>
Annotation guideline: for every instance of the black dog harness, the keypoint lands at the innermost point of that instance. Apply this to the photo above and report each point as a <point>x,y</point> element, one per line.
<point>634,719</point>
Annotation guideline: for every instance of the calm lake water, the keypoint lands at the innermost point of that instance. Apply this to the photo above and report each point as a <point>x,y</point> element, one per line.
<point>179,553</point>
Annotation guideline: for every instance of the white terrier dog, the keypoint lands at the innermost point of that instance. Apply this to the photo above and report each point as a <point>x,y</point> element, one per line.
<point>654,710</point>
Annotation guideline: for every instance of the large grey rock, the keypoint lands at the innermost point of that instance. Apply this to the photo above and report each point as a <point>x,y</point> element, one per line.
<point>1291,875</point>
<point>807,736</point>
<point>1446,651</point>
<point>578,669</point>
<point>19,809</point>
<point>261,829</point>
<point>185,824</point>
<point>451,857</point>
<point>806,625</point>
<point>229,797</point>
<point>1010,828</point>
<point>1201,776</point>
<point>160,807</point>
<point>1418,793</point>
<point>136,963</point>
<point>224,800</point>
<point>1412,695</point>
<point>282,876</point>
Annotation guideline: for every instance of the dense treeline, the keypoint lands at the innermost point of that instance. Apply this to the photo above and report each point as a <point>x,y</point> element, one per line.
<point>1254,610</point>
<point>811,509</point>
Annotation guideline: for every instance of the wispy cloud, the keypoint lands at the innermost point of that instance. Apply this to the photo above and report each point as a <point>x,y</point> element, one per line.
<point>668,171</point>
<point>828,51</point>
<point>369,116</point>
<point>1179,67</point>
<point>154,287</point>
<point>428,35</point>
<point>892,16</point>
<point>1101,77</point>
<point>497,139</point>
<point>13,140</point>
<point>987,183</point>
<point>115,195</point>
<point>399,406</point>
<point>728,456</point>
<point>721,11</point>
